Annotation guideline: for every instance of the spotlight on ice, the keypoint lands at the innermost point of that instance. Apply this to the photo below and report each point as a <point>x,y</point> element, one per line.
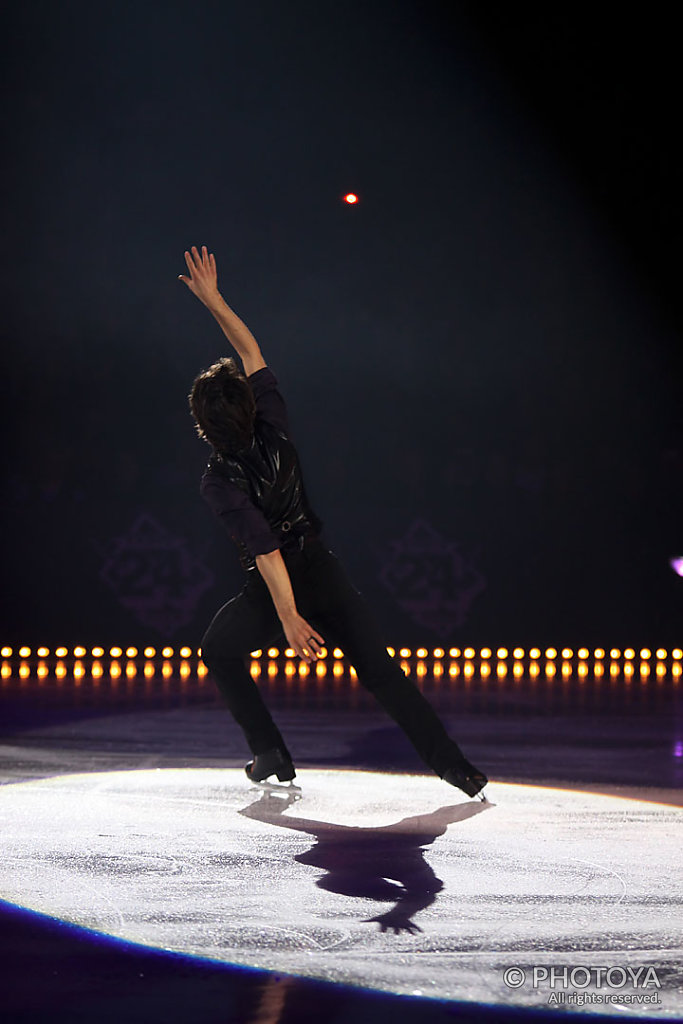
<point>677,564</point>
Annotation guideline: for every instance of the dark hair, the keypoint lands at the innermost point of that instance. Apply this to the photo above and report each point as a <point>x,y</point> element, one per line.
<point>223,407</point>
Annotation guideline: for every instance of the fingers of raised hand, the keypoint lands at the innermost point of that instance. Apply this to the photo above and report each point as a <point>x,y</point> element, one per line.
<point>200,264</point>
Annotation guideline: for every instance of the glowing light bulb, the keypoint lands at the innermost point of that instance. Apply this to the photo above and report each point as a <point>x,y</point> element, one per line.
<point>676,564</point>
<point>167,652</point>
<point>351,198</point>
<point>131,652</point>
<point>149,652</point>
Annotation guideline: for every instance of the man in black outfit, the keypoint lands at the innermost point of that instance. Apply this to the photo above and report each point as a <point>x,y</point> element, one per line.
<point>294,584</point>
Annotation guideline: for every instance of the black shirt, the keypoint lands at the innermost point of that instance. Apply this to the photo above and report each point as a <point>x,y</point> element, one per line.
<point>226,489</point>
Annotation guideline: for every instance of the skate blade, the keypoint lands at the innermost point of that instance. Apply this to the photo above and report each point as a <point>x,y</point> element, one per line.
<point>276,787</point>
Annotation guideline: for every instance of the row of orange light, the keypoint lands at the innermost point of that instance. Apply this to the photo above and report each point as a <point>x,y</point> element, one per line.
<point>96,670</point>
<point>97,652</point>
<point>468,653</point>
<point>115,671</point>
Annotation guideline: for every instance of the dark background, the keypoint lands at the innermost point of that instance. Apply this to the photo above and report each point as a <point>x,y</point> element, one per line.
<point>485,350</point>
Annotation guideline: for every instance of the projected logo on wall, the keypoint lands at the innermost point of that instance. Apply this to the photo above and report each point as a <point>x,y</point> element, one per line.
<point>431,579</point>
<point>155,576</point>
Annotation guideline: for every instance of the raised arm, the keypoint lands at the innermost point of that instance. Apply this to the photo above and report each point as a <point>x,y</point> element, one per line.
<point>203,282</point>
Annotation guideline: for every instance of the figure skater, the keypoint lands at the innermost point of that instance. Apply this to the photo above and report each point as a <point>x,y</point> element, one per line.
<point>294,584</point>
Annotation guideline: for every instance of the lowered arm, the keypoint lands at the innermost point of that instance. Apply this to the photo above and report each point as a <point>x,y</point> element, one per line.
<point>300,635</point>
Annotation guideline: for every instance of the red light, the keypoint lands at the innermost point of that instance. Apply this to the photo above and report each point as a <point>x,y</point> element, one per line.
<point>350,198</point>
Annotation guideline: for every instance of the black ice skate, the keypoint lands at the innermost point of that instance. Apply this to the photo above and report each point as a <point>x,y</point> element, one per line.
<point>466,777</point>
<point>272,762</point>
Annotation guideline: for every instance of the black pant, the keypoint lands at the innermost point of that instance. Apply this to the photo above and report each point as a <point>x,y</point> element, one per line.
<point>331,604</point>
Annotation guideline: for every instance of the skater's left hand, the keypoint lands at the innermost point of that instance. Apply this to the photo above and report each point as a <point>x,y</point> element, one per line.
<point>303,638</point>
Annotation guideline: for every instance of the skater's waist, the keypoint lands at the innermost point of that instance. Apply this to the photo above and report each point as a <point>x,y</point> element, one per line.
<point>292,538</point>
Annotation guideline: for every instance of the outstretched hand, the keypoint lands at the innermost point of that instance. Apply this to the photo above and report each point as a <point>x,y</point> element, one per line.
<point>203,279</point>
